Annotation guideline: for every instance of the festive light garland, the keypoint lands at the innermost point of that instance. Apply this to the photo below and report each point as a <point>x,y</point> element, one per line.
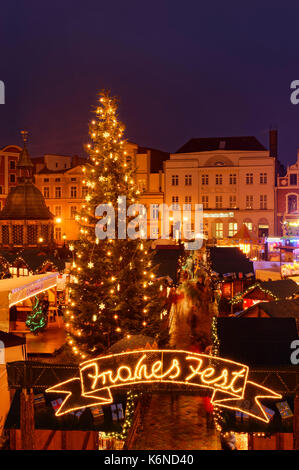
<point>239,297</point>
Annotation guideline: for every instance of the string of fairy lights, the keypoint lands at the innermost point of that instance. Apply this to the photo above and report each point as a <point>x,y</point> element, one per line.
<point>107,175</point>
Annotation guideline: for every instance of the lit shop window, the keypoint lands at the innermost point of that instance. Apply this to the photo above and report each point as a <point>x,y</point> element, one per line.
<point>232,228</point>
<point>249,225</point>
<point>219,230</point>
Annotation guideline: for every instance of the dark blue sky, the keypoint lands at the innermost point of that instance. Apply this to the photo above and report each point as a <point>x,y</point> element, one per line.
<point>181,70</point>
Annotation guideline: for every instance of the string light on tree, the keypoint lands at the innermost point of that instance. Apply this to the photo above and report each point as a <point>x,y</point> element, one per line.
<point>113,288</point>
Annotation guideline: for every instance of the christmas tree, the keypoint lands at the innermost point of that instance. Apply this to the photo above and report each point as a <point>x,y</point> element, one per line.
<point>113,293</point>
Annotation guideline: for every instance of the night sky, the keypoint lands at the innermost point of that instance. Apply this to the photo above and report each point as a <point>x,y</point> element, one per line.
<point>181,70</point>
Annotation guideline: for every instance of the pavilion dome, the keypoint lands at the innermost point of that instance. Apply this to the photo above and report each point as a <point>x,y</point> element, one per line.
<point>25,202</point>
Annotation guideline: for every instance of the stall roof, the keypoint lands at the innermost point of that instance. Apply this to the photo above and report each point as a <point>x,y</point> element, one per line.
<point>10,340</point>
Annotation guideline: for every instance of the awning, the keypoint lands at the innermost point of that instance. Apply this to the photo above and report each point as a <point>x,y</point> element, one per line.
<point>15,290</point>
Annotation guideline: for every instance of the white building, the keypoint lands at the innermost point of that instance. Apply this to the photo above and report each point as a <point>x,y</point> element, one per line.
<point>234,179</point>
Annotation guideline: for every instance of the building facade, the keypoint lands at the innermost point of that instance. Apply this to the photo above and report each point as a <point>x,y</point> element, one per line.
<point>9,172</point>
<point>232,177</point>
<point>61,181</point>
<point>287,200</point>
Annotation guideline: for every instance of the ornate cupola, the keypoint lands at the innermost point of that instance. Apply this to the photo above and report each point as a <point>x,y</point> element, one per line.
<point>25,220</point>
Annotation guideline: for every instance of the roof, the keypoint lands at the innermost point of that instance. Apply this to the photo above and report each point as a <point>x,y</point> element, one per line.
<point>157,158</point>
<point>282,288</point>
<point>229,260</point>
<point>276,309</point>
<point>243,234</point>
<point>205,144</point>
<point>134,342</point>
<point>11,340</point>
<point>257,341</point>
<point>25,202</point>
<point>15,290</point>
<point>33,258</point>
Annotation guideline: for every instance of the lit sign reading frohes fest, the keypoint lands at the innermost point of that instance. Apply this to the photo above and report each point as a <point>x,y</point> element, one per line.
<point>153,370</point>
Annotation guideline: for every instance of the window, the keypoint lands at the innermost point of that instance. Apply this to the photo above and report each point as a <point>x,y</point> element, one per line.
<point>233,178</point>
<point>57,180</point>
<point>12,178</point>
<point>32,234</point>
<point>58,192</point>
<point>46,192</point>
<point>248,225</point>
<point>73,191</point>
<point>218,179</point>
<point>175,201</point>
<point>292,203</point>
<point>45,233</point>
<point>155,211</point>
<point>232,228</point>
<point>233,202</point>
<point>204,180</point>
<point>73,211</point>
<point>187,206</point>
<point>1,190</point>
<point>58,233</point>
<point>219,230</point>
<point>205,202</point>
<point>73,179</point>
<point>17,234</point>
<point>84,191</point>
<point>249,178</point>
<point>188,180</point>
<point>57,211</point>
<point>293,179</point>
<point>5,234</point>
<point>46,180</point>
<point>263,178</point>
<point>249,201</point>
<point>12,165</point>
<point>218,202</point>
<point>263,201</point>
<point>175,180</point>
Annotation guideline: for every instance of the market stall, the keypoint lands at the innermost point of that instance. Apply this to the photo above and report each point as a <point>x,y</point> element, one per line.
<point>16,291</point>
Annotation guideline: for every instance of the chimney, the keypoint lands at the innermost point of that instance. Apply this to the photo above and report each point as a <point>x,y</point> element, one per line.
<point>273,143</point>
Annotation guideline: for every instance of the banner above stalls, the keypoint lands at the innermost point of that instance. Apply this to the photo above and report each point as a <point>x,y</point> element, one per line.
<point>151,369</point>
